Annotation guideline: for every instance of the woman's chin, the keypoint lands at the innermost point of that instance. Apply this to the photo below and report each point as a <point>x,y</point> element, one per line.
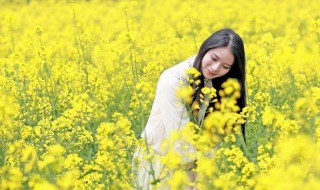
<point>210,76</point>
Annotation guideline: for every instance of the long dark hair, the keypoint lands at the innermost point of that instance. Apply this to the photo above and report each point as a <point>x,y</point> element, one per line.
<point>224,38</point>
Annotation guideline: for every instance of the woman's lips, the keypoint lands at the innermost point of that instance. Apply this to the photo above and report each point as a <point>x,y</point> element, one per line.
<point>211,73</point>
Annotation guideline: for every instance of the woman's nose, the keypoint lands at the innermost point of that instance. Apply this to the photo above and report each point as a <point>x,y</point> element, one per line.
<point>215,67</point>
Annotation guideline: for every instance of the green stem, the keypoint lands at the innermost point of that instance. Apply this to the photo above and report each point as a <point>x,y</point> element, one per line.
<point>133,62</point>
<point>193,33</point>
<point>12,39</point>
<point>245,148</point>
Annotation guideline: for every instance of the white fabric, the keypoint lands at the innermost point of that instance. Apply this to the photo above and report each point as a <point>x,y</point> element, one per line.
<point>168,114</point>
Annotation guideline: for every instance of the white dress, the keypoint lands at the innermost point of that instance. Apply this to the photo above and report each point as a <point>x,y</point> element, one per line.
<point>168,114</point>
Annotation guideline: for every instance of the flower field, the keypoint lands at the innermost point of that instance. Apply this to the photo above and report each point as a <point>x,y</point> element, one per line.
<point>78,80</point>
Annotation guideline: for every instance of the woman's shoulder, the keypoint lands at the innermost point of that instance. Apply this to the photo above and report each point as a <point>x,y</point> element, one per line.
<point>177,73</point>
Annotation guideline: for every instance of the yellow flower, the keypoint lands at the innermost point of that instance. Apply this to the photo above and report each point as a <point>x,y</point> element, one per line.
<point>179,180</point>
<point>195,106</point>
<point>205,90</point>
<point>68,179</point>
<point>185,93</point>
<point>172,159</point>
<point>29,156</point>
<point>193,72</point>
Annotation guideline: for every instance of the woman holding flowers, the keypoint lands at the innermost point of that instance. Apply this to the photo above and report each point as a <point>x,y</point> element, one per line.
<point>220,57</point>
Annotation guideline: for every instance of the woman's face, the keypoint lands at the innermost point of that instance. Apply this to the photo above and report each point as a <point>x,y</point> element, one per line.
<point>217,62</point>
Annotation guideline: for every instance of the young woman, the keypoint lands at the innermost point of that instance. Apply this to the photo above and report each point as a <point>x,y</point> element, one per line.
<point>220,57</point>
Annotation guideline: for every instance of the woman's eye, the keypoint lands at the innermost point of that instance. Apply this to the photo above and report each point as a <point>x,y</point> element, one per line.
<point>214,59</point>
<point>226,67</point>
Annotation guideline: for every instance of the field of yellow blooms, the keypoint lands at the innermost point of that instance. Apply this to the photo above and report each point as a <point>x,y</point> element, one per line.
<point>78,80</point>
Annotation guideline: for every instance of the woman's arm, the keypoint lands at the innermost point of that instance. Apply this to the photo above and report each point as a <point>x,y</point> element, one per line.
<point>173,111</point>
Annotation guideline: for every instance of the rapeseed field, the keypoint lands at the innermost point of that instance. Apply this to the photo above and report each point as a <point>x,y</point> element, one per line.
<point>78,80</point>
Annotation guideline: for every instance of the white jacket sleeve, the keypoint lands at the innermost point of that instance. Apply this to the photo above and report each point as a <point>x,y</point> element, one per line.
<point>172,109</point>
